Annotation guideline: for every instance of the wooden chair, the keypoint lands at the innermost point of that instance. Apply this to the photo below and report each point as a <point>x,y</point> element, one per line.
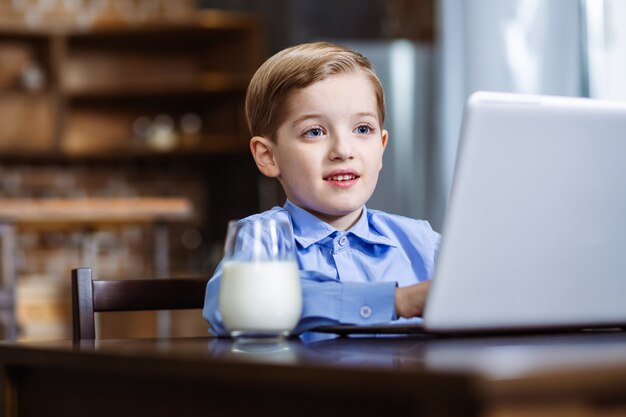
<point>90,296</point>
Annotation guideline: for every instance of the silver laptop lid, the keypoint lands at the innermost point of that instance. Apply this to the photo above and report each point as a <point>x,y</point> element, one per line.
<point>535,232</point>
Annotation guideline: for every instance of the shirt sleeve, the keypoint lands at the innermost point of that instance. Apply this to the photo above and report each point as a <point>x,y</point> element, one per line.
<point>325,302</point>
<point>330,302</point>
<point>211,311</point>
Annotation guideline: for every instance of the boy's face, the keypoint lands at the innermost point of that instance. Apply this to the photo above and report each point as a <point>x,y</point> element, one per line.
<point>328,151</point>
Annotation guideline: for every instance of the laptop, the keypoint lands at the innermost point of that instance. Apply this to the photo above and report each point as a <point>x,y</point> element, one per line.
<point>534,236</point>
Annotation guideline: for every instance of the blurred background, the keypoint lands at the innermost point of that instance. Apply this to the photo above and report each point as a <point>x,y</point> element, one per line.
<point>119,102</point>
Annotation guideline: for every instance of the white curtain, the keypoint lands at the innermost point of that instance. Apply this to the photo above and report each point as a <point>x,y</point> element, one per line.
<point>526,46</point>
<point>605,48</point>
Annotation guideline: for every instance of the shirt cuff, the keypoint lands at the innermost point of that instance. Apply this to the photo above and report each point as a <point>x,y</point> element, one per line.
<point>367,302</point>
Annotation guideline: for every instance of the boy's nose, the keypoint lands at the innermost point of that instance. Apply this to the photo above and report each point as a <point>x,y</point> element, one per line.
<point>340,148</point>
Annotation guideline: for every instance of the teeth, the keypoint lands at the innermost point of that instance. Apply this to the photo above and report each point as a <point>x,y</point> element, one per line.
<point>343,177</point>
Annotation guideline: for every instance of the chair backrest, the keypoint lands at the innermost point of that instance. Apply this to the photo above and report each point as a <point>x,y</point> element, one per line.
<point>90,296</point>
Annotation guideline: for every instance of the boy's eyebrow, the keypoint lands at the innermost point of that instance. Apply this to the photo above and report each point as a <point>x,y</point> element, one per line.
<point>367,113</point>
<point>317,116</point>
<point>305,117</point>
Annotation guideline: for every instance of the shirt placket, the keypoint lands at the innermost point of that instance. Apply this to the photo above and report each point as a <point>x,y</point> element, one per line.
<point>345,266</point>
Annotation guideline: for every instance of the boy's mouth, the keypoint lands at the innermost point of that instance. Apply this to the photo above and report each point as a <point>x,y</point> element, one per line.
<point>342,178</point>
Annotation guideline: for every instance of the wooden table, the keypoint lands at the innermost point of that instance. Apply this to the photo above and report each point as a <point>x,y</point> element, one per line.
<point>88,214</point>
<point>561,375</point>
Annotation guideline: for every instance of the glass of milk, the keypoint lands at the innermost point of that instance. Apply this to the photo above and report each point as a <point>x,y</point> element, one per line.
<point>260,293</point>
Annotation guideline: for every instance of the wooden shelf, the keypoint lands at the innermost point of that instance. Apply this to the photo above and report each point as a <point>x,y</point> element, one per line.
<point>200,20</point>
<point>210,145</point>
<point>230,147</point>
<point>207,83</point>
<point>95,210</point>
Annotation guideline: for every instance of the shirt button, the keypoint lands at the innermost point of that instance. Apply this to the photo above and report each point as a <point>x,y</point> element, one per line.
<point>343,241</point>
<point>365,311</point>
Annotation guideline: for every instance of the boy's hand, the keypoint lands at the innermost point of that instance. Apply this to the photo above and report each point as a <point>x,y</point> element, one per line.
<point>410,300</point>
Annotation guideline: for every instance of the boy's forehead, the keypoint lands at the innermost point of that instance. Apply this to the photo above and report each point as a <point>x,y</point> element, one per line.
<point>349,93</point>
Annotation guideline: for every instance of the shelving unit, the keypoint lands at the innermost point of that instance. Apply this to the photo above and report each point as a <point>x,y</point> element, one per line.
<point>99,112</point>
<point>85,92</point>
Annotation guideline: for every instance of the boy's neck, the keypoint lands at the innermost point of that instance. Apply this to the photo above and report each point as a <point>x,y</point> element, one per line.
<point>339,222</point>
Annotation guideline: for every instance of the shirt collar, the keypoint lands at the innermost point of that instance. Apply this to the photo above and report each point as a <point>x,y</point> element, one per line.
<point>308,229</point>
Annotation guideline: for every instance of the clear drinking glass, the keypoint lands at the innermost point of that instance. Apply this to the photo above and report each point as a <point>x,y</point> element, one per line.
<point>260,293</point>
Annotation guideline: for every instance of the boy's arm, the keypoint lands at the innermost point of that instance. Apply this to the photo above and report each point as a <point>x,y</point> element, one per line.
<point>334,302</point>
<point>325,302</point>
<point>211,307</point>
<point>329,302</point>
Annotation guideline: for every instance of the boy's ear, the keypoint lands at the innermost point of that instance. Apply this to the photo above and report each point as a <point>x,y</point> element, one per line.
<point>263,153</point>
<point>385,139</point>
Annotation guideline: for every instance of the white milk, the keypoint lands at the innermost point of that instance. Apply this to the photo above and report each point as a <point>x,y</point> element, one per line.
<point>260,297</point>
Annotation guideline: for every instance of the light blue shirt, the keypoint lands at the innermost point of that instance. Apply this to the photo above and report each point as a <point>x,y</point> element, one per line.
<point>348,277</point>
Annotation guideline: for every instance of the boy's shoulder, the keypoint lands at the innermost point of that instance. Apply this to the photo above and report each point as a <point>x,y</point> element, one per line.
<point>379,216</point>
<point>390,225</point>
<point>273,213</point>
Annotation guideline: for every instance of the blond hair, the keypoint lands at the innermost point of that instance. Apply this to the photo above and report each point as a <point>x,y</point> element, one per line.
<point>295,68</point>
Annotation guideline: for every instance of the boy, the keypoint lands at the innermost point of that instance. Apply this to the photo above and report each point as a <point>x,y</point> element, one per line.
<point>316,114</point>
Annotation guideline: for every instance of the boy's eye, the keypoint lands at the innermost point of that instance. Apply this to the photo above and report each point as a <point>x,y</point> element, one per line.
<point>314,132</point>
<point>363,130</point>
